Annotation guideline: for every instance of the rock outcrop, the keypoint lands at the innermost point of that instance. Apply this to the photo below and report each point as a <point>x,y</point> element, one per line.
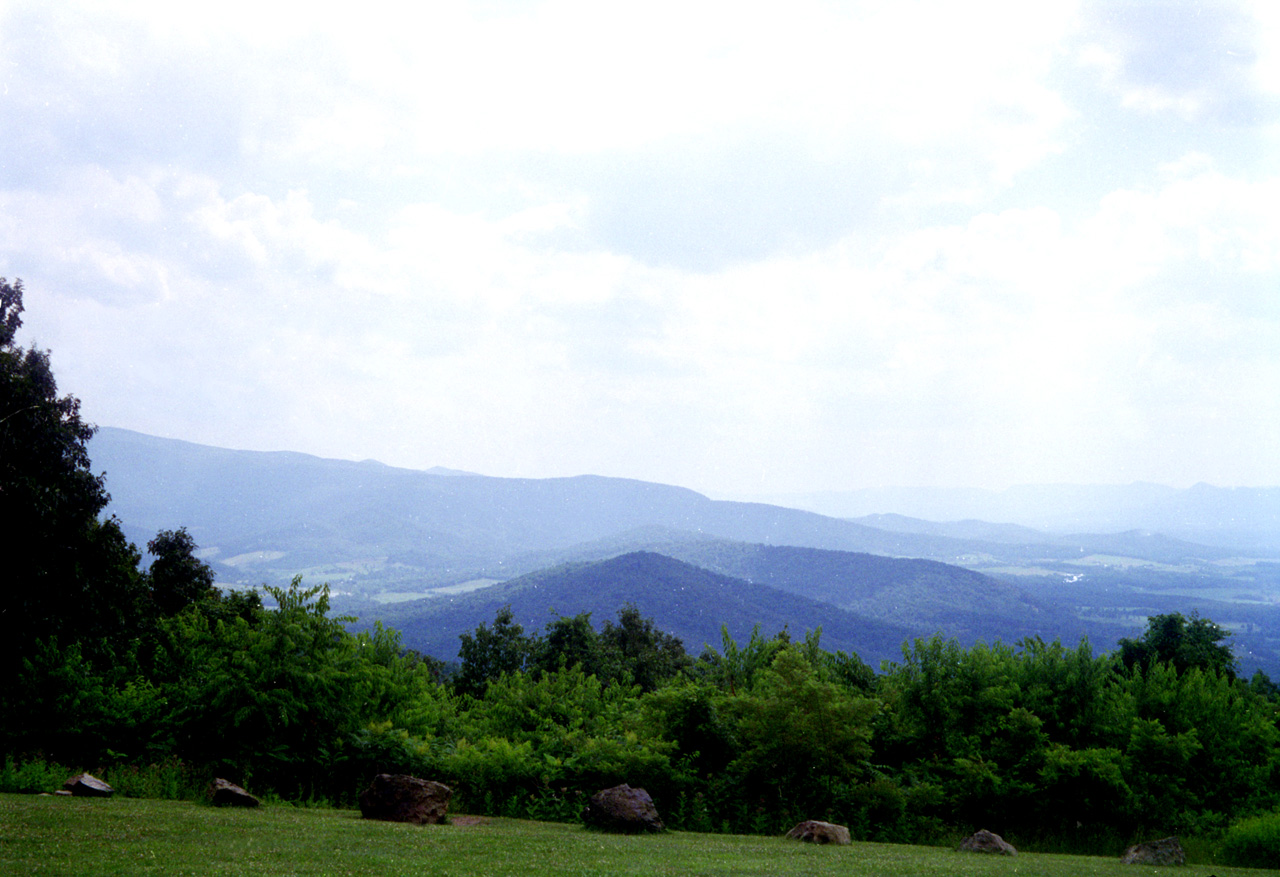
<point>87,786</point>
<point>816,832</point>
<point>1166,851</point>
<point>987,842</point>
<point>400,798</point>
<point>622,809</point>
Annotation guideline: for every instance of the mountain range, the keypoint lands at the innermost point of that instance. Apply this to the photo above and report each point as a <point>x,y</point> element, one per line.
<point>1233,517</point>
<point>436,552</point>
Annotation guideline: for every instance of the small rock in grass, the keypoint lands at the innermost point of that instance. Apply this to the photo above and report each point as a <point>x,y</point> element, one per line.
<point>987,842</point>
<point>622,809</point>
<point>814,831</point>
<point>401,798</point>
<point>1166,851</point>
<point>227,794</point>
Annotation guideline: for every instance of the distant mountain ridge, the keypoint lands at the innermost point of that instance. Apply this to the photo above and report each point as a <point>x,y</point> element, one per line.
<point>269,515</point>
<point>1233,517</point>
<point>265,516</point>
<point>923,596</point>
<point>685,600</point>
<point>380,534</point>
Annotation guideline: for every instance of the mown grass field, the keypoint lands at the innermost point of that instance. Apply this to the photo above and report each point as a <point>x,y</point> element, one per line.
<point>126,836</point>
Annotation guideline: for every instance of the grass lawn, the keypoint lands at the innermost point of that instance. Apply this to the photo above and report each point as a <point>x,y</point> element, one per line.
<point>129,836</point>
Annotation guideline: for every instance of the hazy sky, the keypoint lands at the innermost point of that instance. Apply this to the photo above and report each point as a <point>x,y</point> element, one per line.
<point>741,247</point>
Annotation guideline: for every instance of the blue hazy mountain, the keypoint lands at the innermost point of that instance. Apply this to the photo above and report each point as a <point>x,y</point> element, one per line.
<point>379,533</point>
<point>683,599</point>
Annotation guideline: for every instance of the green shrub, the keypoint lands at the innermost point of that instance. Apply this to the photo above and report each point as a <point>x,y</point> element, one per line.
<point>1253,842</point>
<point>494,775</point>
<point>33,776</point>
<point>171,780</point>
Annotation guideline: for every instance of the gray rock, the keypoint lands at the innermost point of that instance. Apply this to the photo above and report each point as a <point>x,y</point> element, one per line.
<point>1166,851</point>
<point>624,810</point>
<point>400,798</point>
<point>227,794</point>
<point>87,786</point>
<point>987,842</point>
<point>814,831</point>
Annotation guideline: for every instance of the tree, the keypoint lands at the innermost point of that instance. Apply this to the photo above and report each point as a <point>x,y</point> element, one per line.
<point>800,736</point>
<point>489,652</point>
<point>1183,642</point>
<point>280,696</point>
<point>177,577</point>
<point>569,642</point>
<point>68,574</point>
<point>635,645</point>
<point>10,311</point>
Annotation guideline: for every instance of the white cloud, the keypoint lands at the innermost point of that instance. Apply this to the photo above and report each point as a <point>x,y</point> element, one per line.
<point>725,246</point>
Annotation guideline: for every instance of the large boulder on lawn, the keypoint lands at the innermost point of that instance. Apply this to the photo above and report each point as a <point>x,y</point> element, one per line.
<point>987,842</point>
<point>622,809</point>
<point>815,832</point>
<point>227,794</point>
<point>85,785</point>
<point>396,797</point>
<point>1166,851</point>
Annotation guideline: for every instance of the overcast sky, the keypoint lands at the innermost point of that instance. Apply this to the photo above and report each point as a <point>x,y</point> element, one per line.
<point>741,247</point>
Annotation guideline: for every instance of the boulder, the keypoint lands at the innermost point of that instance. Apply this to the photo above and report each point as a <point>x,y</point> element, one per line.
<point>87,786</point>
<point>227,794</point>
<point>815,832</point>
<point>987,842</point>
<point>1166,851</point>
<point>399,798</point>
<point>622,809</point>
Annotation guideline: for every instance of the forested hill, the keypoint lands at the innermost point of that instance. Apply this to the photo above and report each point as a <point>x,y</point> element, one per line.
<point>923,596</point>
<point>684,600</point>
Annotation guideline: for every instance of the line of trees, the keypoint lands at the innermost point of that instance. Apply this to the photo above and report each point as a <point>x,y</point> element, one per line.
<point>102,661</point>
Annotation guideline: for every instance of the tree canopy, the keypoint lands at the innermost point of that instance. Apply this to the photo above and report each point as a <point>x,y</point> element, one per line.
<point>68,573</point>
<point>1181,642</point>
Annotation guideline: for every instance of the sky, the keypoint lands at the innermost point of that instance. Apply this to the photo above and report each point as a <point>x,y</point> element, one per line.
<point>745,248</point>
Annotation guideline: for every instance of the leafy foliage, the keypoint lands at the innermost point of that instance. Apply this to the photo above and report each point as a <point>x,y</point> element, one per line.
<point>1253,842</point>
<point>799,736</point>
<point>68,574</point>
<point>177,578</point>
<point>1182,642</point>
<point>633,650</point>
<point>492,651</point>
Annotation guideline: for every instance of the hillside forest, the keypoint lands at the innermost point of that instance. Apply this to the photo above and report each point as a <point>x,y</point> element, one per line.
<point>113,660</point>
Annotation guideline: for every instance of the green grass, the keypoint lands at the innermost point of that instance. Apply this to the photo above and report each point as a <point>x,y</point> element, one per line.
<point>77,836</point>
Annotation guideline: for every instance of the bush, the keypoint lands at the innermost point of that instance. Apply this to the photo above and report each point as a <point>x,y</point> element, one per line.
<point>171,779</point>
<point>492,775</point>
<point>31,777</point>
<point>1253,842</point>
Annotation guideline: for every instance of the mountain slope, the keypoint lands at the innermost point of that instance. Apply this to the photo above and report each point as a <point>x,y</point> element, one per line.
<point>687,601</point>
<point>921,595</point>
<point>267,516</point>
